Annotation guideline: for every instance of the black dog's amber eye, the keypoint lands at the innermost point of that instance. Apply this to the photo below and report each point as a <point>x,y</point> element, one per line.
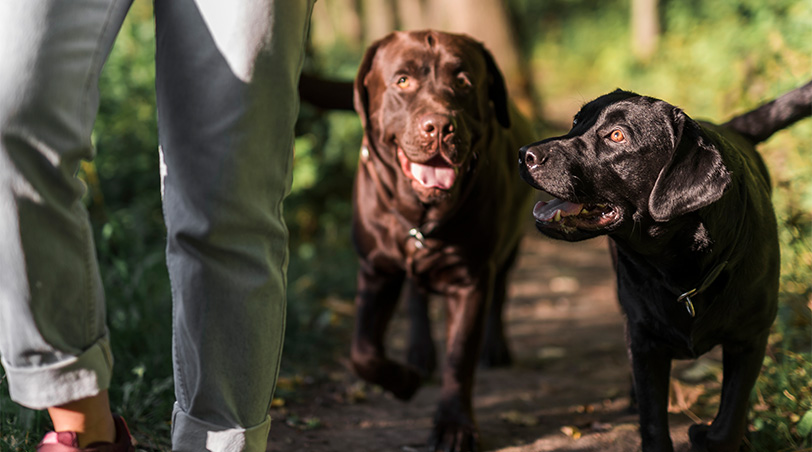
<point>617,136</point>
<point>403,82</point>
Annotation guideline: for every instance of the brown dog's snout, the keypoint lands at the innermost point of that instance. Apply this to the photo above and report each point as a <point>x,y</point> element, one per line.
<point>437,125</point>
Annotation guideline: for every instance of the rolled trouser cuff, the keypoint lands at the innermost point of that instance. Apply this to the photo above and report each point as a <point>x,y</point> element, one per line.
<point>71,379</point>
<point>194,435</point>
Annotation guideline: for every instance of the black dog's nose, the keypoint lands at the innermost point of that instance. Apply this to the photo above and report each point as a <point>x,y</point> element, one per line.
<point>530,156</point>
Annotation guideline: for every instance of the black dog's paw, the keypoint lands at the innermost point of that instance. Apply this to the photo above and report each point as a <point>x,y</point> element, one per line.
<point>454,437</point>
<point>698,434</point>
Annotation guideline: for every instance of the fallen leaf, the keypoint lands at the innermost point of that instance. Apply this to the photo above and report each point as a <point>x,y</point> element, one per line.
<point>516,418</point>
<point>571,431</point>
<point>356,393</point>
<point>304,423</point>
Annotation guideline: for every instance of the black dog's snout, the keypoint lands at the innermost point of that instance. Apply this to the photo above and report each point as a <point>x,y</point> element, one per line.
<point>530,156</point>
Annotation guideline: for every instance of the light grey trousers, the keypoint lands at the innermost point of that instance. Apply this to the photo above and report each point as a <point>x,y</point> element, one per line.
<point>226,79</point>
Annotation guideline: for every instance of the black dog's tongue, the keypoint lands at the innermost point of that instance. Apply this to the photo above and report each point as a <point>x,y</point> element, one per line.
<point>555,209</point>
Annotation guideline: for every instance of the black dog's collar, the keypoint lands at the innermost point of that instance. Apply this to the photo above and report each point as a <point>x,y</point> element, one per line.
<point>717,270</point>
<point>686,297</point>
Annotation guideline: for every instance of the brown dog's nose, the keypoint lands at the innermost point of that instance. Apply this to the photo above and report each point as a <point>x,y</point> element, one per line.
<point>433,124</point>
<point>530,156</point>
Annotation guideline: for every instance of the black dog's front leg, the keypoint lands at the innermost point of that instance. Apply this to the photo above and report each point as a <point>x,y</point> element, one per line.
<point>651,369</point>
<point>741,366</point>
<point>375,303</point>
<point>454,426</point>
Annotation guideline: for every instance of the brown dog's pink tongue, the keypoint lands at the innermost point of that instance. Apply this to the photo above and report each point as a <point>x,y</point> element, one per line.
<point>433,176</point>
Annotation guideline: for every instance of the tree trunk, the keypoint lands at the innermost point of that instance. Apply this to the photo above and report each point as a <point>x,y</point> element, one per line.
<point>645,28</point>
<point>487,21</point>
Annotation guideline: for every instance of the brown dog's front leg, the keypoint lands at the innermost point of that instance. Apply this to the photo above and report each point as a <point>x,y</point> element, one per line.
<point>375,304</point>
<point>651,368</point>
<point>422,353</point>
<point>495,350</point>
<point>454,426</point>
<point>741,366</point>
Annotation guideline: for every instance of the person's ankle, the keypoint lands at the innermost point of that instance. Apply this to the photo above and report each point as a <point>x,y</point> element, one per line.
<point>89,418</point>
<point>103,431</point>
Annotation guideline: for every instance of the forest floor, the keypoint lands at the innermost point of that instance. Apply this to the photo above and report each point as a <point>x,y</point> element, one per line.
<point>568,389</point>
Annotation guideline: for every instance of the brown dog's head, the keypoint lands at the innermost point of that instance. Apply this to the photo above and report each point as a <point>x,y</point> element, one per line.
<point>628,158</point>
<point>425,99</point>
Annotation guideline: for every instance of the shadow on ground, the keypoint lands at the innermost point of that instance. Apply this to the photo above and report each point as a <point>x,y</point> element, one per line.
<point>567,391</point>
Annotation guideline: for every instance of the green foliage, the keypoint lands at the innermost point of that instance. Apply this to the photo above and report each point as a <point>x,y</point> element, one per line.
<point>782,410</point>
<point>318,213</point>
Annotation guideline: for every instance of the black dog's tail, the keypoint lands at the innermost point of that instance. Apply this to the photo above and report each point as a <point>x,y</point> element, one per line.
<point>759,124</point>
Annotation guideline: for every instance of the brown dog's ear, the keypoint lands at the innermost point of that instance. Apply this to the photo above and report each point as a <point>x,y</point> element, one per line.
<point>694,177</point>
<point>497,91</point>
<point>360,95</point>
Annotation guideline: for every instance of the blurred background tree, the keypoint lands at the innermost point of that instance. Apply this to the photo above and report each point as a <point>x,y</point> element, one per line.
<point>713,59</point>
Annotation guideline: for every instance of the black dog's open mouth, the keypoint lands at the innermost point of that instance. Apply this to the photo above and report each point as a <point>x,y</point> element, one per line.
<point>435,173</point>
<point>569,216</point>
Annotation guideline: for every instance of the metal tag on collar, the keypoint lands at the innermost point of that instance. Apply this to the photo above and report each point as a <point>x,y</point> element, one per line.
<point>417,235</point>
<point>686,298</point>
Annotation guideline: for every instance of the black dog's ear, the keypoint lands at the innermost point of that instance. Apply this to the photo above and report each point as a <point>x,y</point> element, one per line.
<point>497,90</point>
<point>360,96</point>
<point>694,177</point>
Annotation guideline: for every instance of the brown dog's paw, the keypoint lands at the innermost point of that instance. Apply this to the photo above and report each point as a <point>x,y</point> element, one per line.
<point>409,383</point>
<point>454,437</point>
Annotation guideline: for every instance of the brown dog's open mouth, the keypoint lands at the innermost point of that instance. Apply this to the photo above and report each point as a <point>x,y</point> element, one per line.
<point>436,173</point>
<point>569,215</point>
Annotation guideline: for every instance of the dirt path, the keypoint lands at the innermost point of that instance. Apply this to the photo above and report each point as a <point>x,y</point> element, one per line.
<point>567,391</point>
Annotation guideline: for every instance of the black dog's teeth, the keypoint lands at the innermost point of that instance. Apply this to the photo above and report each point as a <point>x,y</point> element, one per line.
<point>593,209</point>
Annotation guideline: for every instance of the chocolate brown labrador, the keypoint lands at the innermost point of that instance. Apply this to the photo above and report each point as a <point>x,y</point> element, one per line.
<point>687,208</point>
<point>438,209</point>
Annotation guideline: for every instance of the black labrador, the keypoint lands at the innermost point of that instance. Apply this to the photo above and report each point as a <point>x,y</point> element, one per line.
<point>693,237</point>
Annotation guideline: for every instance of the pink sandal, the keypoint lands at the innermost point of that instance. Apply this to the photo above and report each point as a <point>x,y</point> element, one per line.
<point>69,442</point>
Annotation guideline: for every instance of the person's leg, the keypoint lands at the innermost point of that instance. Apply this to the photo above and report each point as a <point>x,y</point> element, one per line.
<point>227,74</point>
<point>53,337</point>
<point>90,418</point>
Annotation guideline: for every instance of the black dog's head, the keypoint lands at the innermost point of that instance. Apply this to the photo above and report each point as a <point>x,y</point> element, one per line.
<point>628,158</point>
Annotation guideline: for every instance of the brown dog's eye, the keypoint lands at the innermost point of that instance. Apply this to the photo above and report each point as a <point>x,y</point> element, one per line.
<point>403,82</point>
<point>617,136</point>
